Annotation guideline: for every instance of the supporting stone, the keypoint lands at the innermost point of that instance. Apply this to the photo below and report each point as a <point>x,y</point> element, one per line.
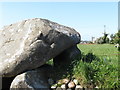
<point>67,57</point>
<point>36,79</point>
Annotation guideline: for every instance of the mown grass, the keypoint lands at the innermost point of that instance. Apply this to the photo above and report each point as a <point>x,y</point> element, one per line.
<point>97,67</point>
<point>102,51</point>
<point>99,49</point>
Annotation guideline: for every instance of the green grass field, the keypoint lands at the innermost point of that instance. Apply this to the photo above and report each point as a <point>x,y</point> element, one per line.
<point>103,70</point>
<point>105,51</point>
<point>98,49</point>
<point>98,66</point>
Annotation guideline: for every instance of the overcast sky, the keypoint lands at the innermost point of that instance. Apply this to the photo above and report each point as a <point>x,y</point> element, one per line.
<point>88,18</point>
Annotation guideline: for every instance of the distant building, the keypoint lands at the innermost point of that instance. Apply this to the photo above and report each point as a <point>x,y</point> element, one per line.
<point>85,42</point>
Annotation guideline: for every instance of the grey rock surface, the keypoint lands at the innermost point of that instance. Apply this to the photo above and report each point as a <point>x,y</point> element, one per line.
<point>30,43</point>
<point>36,79</point>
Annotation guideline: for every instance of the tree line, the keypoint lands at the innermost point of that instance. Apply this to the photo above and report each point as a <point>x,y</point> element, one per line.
<point>114,38</point>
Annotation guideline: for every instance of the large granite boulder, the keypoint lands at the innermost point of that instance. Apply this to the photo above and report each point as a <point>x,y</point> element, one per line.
<point>30,43</point>
<point>36,79</point>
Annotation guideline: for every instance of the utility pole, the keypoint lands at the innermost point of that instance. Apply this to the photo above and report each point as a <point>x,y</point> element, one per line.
<point>104,29</point>
<point>93,39</point>
<point>105,34</point>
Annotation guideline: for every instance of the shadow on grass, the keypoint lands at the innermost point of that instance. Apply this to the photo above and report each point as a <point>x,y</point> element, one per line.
<point>89,57</point>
